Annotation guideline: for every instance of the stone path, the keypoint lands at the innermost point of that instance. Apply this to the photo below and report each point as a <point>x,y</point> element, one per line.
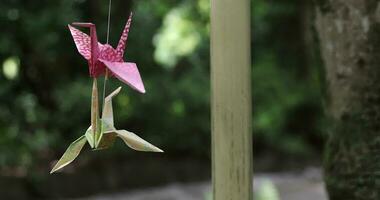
<point>283,186</point>
<point>305,186</point>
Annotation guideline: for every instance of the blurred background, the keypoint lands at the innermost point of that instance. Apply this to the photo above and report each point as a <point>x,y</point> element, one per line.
<point>45,96</point>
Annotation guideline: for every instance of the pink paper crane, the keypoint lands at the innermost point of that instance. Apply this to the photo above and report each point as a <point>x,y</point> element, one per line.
<point>101,56</point>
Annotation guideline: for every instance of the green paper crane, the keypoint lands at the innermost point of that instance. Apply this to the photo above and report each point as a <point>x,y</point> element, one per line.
<point>104,134</point>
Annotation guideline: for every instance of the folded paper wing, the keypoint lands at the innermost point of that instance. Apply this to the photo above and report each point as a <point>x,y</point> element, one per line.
<point>70,154</point>
<point>127,73</point>
<point>82,42</point>
<point>129,138</point>
<point>135,142</point>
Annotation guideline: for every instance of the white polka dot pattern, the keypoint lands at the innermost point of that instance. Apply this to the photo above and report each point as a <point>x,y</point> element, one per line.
<point>107,56</point>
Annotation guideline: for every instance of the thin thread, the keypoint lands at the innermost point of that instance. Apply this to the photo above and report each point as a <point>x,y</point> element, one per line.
<point>109,20</point>
<point>108,36</point>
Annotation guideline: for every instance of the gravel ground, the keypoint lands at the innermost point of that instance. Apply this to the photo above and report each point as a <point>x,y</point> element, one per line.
<point>279,186</point>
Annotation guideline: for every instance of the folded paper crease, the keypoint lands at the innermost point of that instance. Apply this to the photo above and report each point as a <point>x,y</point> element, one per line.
<point>108,136</point>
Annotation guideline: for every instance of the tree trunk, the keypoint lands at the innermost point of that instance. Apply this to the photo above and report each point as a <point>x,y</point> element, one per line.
<point>231,100</point>
<point>349,33</point>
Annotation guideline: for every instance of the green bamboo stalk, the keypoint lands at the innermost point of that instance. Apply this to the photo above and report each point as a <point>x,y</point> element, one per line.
<point>231,101</point>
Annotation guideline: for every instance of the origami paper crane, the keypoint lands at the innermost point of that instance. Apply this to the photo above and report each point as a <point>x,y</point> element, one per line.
<point>101,56</point>
<point>102,132</point>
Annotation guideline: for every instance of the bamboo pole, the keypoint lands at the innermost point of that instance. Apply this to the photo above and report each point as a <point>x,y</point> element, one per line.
<point>231,101</point>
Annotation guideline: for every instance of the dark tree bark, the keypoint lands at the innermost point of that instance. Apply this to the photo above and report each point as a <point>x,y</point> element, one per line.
<point>349,33</point>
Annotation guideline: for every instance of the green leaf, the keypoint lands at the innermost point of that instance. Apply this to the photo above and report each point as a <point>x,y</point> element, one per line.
<point>70,154</point>
<point>135,142</point>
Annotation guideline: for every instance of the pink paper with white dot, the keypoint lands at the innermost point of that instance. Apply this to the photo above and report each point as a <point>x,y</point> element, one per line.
<point>106,56</point>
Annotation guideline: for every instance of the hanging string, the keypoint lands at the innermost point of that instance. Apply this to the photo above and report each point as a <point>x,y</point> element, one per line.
<point>108,36</point>
<point>109,20</point>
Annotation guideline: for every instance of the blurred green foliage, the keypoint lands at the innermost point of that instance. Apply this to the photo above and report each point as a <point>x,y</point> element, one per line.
<point>45,88</point>
<point>286,79</point>
<point>267,191</point>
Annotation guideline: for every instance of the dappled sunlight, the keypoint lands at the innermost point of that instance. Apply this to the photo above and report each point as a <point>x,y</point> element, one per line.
<point>178,37</point>
<point>11,67</point>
